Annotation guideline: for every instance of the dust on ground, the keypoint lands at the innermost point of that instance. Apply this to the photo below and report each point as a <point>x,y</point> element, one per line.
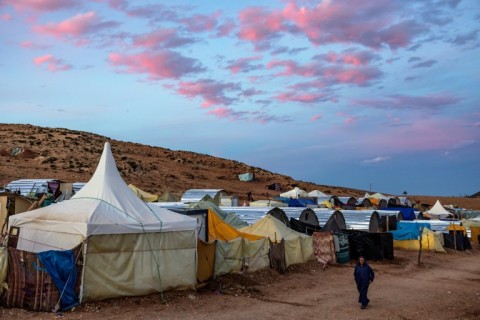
<point>445,286</point>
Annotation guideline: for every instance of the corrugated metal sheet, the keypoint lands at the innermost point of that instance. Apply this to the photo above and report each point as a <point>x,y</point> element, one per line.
<point>27,186</point>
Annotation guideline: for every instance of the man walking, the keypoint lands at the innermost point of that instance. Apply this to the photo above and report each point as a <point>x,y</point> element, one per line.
<point>364,275</point>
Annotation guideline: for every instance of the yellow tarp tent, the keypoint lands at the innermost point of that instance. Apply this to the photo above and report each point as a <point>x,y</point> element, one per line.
<point>145,196</point>
<point>457,228</point>
<point>235,250</point>
<point>298,246</point>
<point>430,242</point>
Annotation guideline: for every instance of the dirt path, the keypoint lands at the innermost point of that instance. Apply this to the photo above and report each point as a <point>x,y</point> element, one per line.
<point>447,286</point>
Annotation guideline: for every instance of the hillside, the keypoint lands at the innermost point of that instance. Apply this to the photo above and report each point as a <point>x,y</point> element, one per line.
<point>28,151</point>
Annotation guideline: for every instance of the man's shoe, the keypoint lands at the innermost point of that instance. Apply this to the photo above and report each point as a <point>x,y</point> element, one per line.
<point>364,306</point>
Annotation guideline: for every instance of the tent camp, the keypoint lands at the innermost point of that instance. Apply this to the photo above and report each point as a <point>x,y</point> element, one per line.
<point>145,196</point>
<point>196,195</point>
<point>298,246</point>
<point>438,212</point>
<point>124,247</point>
<point>294,193</point>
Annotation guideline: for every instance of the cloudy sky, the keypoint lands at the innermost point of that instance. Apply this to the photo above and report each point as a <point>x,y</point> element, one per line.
<point>366,94</point>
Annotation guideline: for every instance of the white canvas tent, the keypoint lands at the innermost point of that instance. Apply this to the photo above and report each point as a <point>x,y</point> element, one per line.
<point>294,193</point>
<point>317,194</point>
<point>438,211</point>
<point>129,248</point>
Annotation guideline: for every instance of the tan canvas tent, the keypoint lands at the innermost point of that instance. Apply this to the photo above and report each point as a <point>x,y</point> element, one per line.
<point>144,195</point>
<point>128,248</point>
<point>298,246</point>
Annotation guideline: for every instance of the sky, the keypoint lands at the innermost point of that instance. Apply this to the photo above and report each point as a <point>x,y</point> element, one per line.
<point>377,95</point>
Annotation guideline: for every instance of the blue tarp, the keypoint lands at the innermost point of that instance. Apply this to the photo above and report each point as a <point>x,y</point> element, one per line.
<point>300,202</point>
<point>62,268</point>
<point>408,213</point>
<point>409,231</point>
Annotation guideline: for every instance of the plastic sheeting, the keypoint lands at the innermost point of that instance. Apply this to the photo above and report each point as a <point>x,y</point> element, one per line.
<point>139,264</point>
<point>409,231</point>
<point>241,254</point>
<point>62,268</point>
<point>229,217</point>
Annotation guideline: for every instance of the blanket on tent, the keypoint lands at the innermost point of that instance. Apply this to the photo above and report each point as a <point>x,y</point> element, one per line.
<point>30,285</point>
<point>324,248</point>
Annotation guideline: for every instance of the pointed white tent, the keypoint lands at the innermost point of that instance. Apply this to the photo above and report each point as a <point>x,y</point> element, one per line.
<point>317,194</point>
<point>438,211</point>
<point>129,247</point>
<point>294,193</point>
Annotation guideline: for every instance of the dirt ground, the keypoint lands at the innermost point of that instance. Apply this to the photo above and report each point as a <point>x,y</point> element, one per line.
<point>445,286</point>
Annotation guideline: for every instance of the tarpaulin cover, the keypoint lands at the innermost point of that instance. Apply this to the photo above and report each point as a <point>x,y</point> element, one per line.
<point>324,247</point>
<point>3,268</point>
<point>62,268</point>
<point>407,212</point>
<point>372,246</point>
<point>220,230</point>
<point>455,227</point>
<point>409,231</point>
<point>241,254</point>
<point>206,261</point>
<point>300,202</point>
<point>303,227</point>
<point>231,218</point>
<point>431,241</point>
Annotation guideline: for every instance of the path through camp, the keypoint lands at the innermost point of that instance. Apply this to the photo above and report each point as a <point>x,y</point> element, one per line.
<point>446,286</point>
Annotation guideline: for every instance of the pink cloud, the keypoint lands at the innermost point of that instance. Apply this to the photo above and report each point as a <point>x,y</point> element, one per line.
<point>353,57</point>
<point>158,65</point>
<point>226,28</point>
<point>372,24</point>
<point>166,38</point>
<point>41,5</point>
<point>33,46</point>
<point>78,25</point>
<point>5,17</point>
<point>257,24</point>
<point>316,117</point>
<point>293,68</point>
<point>244,65</point>
<point>302,97</point>
<point>255,116</point>
<point>212,92</point>
<point>398,101</point>
<point>201,22</point>
<point>53,64</point>
<point>336,74</point>
<point>348,118</point>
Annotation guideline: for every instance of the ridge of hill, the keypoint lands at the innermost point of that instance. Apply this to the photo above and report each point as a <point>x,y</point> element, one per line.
<point>29,152</point>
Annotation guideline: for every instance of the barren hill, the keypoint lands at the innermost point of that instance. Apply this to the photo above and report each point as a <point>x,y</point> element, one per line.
<point>28,151</point>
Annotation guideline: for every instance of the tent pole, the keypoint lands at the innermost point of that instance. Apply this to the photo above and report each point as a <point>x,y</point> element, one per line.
<point>85,242</point>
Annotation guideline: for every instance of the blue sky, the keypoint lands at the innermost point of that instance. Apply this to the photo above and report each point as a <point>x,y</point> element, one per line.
<point>348,93</point>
